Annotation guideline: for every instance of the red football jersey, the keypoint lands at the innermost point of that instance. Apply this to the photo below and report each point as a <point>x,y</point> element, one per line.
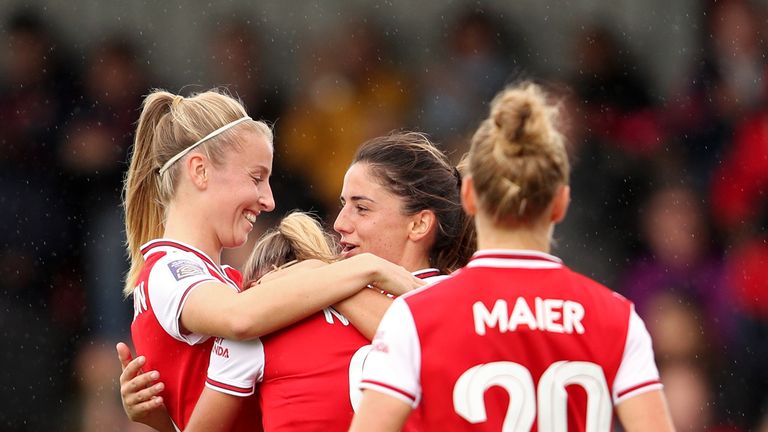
<point>309,372</point>
<point>513,341</point>
<point>171,271</point>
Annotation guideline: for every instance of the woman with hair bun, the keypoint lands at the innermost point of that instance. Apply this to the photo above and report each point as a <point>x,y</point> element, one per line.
<point>514,340</point>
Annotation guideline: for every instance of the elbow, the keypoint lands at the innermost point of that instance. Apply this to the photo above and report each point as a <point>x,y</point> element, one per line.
<point>240,330</point>
<point>241,326</point>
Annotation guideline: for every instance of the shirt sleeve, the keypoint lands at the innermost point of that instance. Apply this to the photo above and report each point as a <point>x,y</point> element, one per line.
<point>235,367</point>
<point>394,364</point>
<point>171,280</point>
<point>637,373</point>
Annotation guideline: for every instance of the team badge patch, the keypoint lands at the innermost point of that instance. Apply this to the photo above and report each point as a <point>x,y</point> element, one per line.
<point>185,268</point>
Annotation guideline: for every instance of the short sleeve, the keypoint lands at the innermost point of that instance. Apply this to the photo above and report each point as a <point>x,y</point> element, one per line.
<point>171,280</point>
<point>393,365</point>
<point>637,373</point>
<point>235,367</point>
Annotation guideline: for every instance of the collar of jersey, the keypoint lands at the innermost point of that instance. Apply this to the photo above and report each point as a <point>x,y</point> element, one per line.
<point>158,245</point>
<point>514,258</point>
<point>426,273</point>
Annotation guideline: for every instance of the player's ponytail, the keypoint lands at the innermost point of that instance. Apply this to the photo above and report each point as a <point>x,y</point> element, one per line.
<point>299,237</point>
<point>141,191</point>
<point>465,243</point>
<point>518,157</point>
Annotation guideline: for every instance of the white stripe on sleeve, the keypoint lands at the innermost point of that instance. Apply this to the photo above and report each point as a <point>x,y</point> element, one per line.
<point>235,366</point>
<point>637,373</point>
<point>394,364</point>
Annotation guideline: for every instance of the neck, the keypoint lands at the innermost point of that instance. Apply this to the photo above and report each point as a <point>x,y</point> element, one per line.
<point>415,262</point>
<point>183,224</point>
<point>534,237</point>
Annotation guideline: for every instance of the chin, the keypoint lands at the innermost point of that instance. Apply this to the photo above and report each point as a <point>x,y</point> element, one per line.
<point>236,241</point>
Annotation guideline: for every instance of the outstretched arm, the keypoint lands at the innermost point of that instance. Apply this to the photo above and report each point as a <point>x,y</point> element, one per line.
<point>213,309</point>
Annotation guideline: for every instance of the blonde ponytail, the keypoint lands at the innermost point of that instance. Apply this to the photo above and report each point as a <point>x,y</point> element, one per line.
<point>141,193</point>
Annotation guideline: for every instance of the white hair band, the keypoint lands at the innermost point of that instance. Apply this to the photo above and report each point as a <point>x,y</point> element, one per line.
<point>181,154</point>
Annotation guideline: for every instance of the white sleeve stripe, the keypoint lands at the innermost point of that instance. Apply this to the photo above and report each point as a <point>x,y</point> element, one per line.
<point>186,293</point>
<point>389,391</point>
<point>638,391</point>
<point>637,367</point>
<point>635,387</point>
<point>229,389</point>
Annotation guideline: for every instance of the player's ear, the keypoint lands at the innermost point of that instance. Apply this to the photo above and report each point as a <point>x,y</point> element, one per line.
<point>560,203</point>
<point>421,224</point>
<point>468,195</point>
<point>197,168</point>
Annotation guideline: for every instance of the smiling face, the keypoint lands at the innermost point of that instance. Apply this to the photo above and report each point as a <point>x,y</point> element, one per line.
<point>239,190</point>
<point>371,217</point>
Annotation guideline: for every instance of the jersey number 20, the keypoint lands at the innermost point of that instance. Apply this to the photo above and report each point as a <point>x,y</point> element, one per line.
<point>549,400</point>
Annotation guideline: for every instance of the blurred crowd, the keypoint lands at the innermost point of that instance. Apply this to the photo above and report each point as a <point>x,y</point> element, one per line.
<point>669,191</point>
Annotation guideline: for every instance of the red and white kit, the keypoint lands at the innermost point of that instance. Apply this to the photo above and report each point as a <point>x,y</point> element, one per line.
<point>513,341</point>
<point>309,372</point>
<point>171,271</point>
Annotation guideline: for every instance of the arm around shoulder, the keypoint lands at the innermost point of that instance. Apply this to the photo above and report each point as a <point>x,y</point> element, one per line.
<point>279,302</point>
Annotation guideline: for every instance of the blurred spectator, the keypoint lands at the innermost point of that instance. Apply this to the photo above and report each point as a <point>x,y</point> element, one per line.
<point>618,108</point>
<point>740,208</point>
<point>236,62</point>
<point>35,91</point>
<point>617,143</point>
<point>607,185</point>
<point>727,84</point>
<point>681,259</point>
<point>350,91</point>
<point>93,154</point>
<point>746,380</point>
<point>473,64</point>
<point>739,184</point>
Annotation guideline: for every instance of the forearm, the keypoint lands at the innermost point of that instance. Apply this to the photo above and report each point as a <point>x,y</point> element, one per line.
<point>298,295</point>
<point>275,303</point>
<point>645,412</point>
<point>365,310</point>
<point>214,412</point>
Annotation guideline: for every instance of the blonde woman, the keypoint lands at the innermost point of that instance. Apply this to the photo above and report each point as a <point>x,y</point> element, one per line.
<point>197,181</point>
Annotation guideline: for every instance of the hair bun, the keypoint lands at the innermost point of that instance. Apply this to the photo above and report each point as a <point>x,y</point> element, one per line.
<point>512,120</point>
<point>522,120</point>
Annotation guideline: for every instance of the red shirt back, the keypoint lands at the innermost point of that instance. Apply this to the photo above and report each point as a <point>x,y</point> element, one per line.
<point>512,339</point>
